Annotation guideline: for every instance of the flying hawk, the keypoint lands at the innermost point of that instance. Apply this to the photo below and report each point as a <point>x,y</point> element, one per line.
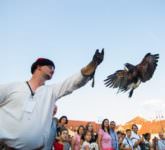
<point>131,77</point>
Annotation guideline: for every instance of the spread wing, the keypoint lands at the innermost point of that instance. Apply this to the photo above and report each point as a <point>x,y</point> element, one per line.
<point>120,79</point>
<point>147,67</point>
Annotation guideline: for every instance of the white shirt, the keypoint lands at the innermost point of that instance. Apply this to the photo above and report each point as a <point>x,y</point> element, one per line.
<point>127,142</point>
<point>161,144</point>
<point>25,120</point>
<point>135,137</point>
<point>85,143</point>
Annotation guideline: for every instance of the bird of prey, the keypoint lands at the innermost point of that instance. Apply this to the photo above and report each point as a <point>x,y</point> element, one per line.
<point>131,77</point>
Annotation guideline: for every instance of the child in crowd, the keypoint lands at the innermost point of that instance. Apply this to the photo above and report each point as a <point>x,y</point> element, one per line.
<point>86,141</point>
<point>76,140</point>
<point>63,137</point>
<point>127,143</point>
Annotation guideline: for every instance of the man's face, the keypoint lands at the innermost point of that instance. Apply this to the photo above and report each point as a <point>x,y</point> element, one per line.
<point>112,125</point>
<point>128,133</point>
<point>135,128</point>
<point>161,135</point>
<point>47,71</point>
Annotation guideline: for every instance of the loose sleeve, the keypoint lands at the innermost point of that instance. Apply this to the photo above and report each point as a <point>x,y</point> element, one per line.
<point>3,93</point>
<point>69,85</point>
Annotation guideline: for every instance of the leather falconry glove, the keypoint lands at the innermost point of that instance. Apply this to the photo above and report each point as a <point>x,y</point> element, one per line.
<point>89,70</point>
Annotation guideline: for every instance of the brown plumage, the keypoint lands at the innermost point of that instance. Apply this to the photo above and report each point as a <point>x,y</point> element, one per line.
<point>132,76</point>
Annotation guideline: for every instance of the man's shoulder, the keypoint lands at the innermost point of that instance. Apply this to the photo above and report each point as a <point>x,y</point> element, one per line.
<point>18,83</point>
<point>12,85</point>
<point>134,135</point>
<point>111,131</point>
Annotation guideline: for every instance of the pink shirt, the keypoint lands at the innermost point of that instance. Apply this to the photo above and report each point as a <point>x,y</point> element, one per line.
<point>76,139</point>
<point>106,140</point>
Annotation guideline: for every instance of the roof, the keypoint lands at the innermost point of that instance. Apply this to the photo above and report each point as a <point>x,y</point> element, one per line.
<point>74,124</point>
<point>151,126</point>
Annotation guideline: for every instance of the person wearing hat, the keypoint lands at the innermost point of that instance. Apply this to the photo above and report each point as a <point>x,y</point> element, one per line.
<point>26,108</point>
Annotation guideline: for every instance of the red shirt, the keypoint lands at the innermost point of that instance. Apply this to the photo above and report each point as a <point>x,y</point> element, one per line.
<point>58,146</point>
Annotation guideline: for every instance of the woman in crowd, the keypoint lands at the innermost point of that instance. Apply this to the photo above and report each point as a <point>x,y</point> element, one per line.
<point>104,138</point>
<point>146,144</point>
<point>89,127</point>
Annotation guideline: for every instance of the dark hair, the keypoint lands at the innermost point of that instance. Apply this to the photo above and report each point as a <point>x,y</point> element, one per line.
<point>62,118</point>
<point>41,62</point>
<point>102,124</point>
<point>118,132</point>
<point>112,122</point>
<point>85,133</point>
<point>81,126</point>
<point>146,135</point>
<point>62,129</point>
<point>134,125</point>
<point>87,125</point>
<point>127,130</point>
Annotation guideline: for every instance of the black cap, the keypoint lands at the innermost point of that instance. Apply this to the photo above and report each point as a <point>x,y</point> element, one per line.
<point>41,62</point>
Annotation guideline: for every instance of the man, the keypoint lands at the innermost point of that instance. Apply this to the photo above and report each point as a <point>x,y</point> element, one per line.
<point>136,139</point>
<point>114,136</point>
<point>26,108</point>
<point>127,143</point>
<point>161,141</point>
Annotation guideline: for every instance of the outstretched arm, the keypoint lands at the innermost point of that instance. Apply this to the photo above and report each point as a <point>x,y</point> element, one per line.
<point>78,80</point>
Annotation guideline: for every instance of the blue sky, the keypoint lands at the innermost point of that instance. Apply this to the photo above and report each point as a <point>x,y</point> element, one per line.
<point>69,32</point>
